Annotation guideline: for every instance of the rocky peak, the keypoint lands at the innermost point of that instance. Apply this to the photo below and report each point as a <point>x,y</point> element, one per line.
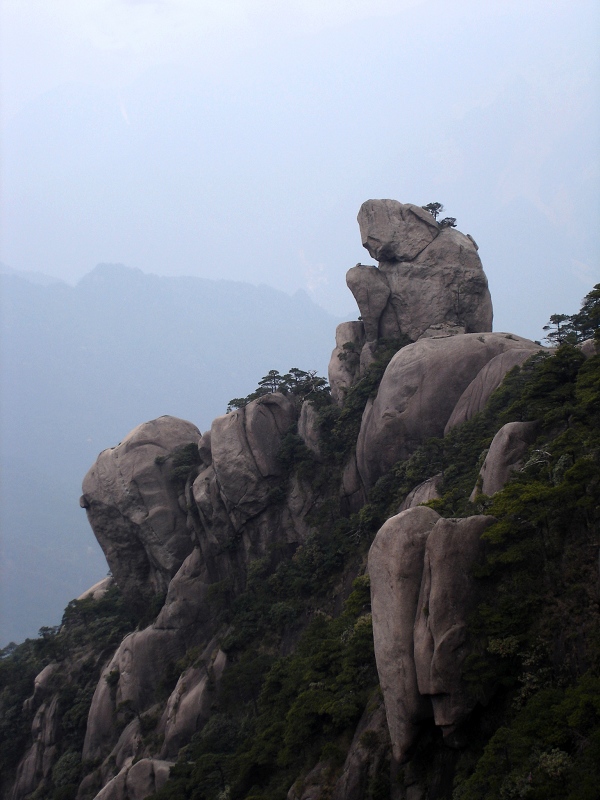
<point>429,283</point>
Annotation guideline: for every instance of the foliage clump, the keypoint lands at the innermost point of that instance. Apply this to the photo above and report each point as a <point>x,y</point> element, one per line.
<point>90,631</point>
<point>297,382</point>
<point>574,328</point>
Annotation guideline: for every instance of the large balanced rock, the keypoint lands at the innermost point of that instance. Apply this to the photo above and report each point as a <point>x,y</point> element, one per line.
<point>430,279</point>
<point>418,393</point>
<point>393,231</point>
<point>133,506</point>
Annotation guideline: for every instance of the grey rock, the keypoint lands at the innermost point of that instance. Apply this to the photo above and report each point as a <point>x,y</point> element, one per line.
<point>364,756</point>
<point>430,281</point>
<point>344,365</point>
<point>442,329</point>
<point>308,427</point>
<point>35,767</point>
<point>189,705</point>
<point>352,491</point>
<point>244,447</point>
<point>393,231</point>
<point>132,677</point>
<point>395,568</point>
<point>371,292</point>
<point>446,599</point>
<point>423,493</point>
<point>133,507</point>
<point>98,590</point>
<point>313,785</point>
<point>187,603</point>
<point>42,686</point>
<point>204,449</point>
<point>444,285</point>
<point>137,781</point>
<point>479,391</point>
<point>367,357</point>
<point>418,393</point>
<point>506,455</point>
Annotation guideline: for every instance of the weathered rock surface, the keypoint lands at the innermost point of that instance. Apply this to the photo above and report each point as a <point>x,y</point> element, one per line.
<point>423,493</point>
<point>244,447</point>
<point>137,781</point>
<point>418,393</point>
<point>308,427</point>
<point>98,590</point>
<point>446,599</point>
<point>39,759</point>
<point>134,509</point>
<point>396,560</point>
<point>352,491</point>
<point>430,281</point>
<point>364,756</point>
<point>371,292</point>
<point>231,520</point>
<point>130,677</point>
<point>422,594</point>
<point>393,231</point>
<point>344,365</point>
<point>479,391</point>
<point>189,705</point>
<point>362,763</point>
<point>506,454</point>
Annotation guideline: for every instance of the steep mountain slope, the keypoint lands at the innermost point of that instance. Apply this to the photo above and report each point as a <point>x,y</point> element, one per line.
<point>81,366</point>
<point>305,629</point>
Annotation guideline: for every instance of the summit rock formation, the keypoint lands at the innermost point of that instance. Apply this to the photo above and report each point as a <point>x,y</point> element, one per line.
<point>429,282</point>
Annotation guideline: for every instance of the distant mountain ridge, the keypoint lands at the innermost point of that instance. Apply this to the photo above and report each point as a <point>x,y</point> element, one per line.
<point>81,365</point>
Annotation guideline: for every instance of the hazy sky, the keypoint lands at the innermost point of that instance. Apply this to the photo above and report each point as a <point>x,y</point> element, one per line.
<point>238,138</point>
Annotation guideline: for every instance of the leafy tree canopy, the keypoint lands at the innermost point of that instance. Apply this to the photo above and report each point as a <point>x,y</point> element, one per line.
<point>297,382</point>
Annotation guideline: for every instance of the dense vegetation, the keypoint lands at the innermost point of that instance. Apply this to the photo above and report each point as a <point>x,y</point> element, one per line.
<point>90,632</point>
<point>299,639</point>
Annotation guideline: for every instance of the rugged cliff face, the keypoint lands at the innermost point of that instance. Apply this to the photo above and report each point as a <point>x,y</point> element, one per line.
<point>260,664</point>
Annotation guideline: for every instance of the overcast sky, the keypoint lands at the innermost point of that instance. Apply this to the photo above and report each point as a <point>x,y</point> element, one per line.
<point>238,138</point>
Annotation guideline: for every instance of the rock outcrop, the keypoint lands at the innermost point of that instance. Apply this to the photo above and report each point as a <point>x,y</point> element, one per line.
<point>396,562</point>
<point>479,391</point>
<point>393,231</point>
<point>446,599</point>
<point>230,520</point>
<point>418,393</point>
<point>366,752</point>
<point>430,280</point>
<point>134,509</point>
<point>506,455</point>
<point>37,764</point>
<point>423,493</point>
<point>344,365</point>
<point>422,594</point>
<point>137,781</point>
